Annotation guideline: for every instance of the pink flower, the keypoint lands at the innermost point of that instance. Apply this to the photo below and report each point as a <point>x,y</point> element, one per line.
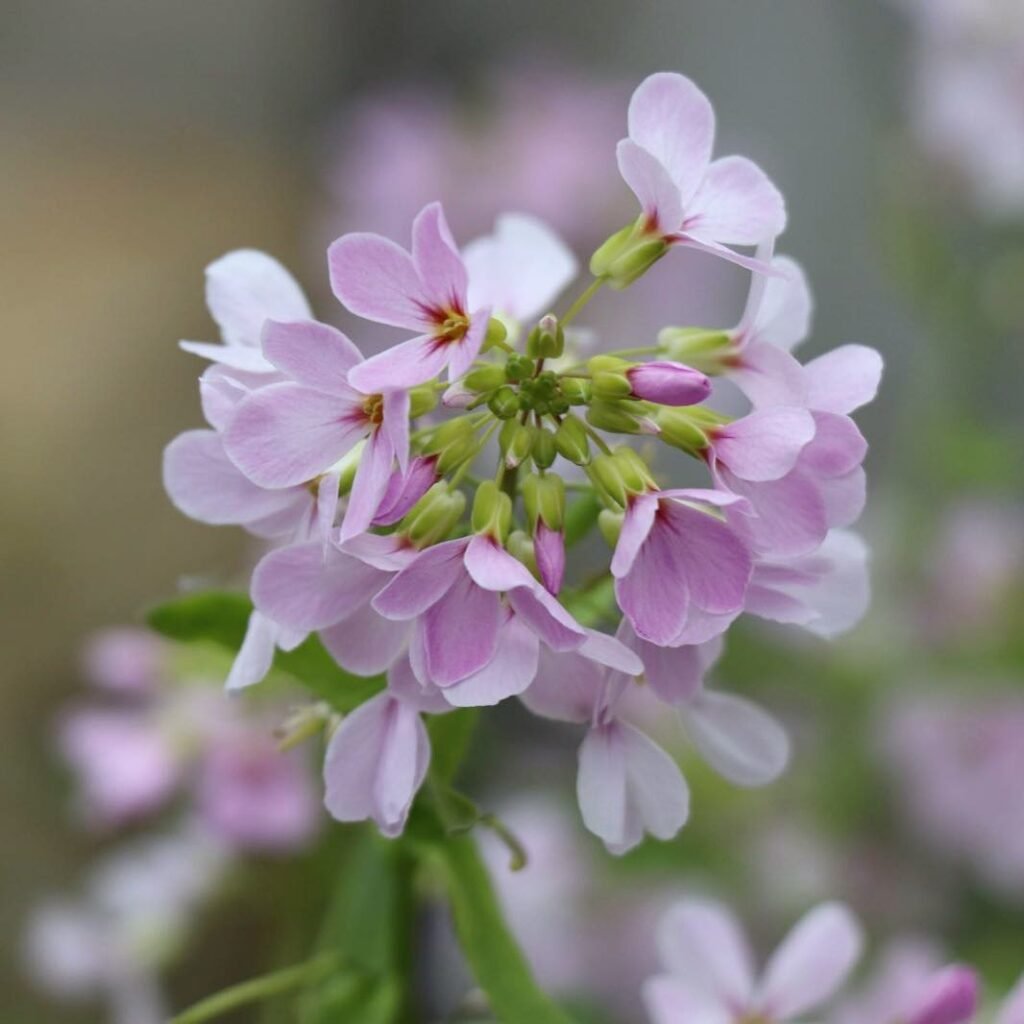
<point>425,291</point>
<point>252,796</point>
<point>125,660</point>
<point>481,620</point>
<point>293,432</point>
<point>668,383</point>
<point>710,966</point>
<point>687,198</point>
<point>549,550</point>
<point>681,573</point>
<point>243,290</point>
<point>378,757</point>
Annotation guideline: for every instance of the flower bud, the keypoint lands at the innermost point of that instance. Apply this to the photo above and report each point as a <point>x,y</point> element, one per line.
<point>706,350</point>
<point>544,499</point>
<point>549,552</point>
<point>544,450</point>
<point>577,390</point>
<point>497,332</point>
<point>485,378</point>
<point>572,442</point>
<point>628,254</point>
<point>519,368</point>
<point>492,511</point>
<point>464,447</point>
<point>504,403</point>
<point>610,525</point>
<point>666,383</point>
<point>516,442</point>
<point>520,547</point>
<point>681,430</point>
<point>458,396</point>
<point>604,472</point>
<point>446,433</point>
<point>434,516</point>
<point>621,417</point>
<point>546,340</point>
<point>422,399</point>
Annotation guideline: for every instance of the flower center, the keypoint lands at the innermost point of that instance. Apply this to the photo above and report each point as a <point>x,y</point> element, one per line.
<point>451,326</point>
<point>373,409</point>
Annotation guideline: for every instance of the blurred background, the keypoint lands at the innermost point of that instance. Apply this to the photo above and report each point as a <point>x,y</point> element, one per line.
<point>141,140</point>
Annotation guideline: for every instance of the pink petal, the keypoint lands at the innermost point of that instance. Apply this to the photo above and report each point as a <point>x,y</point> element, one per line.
<point>311,353</point>
<point>437,259</point>
<point>240,357</point>
<point>701,626</point>
<point>287,434</point>
<point>327,501</point>
<point>636,526</point>
<point>404,490</point>
<point>546,617</point>
<point>670,1001</point>
<point>256,654</point>
<point>675,674</point>
<point>387,552</point>
<point>365,642</point>
<point>736,204</point>
<point>549,549</point>
<point>403,767</point>
<point>507,674</point>
<point>493,568</point>
<point>951,997</point>
<point>740,740</point>
<point>812,962</point>
<point>407,365</point>
<point>657,787</point>
<point>205,484</point>
<point>520,269</point>
<point>423,582</point>
<point>406,687</point>
<point>844,379</point>
<point>301,588</point>
<point>765,444</point>
<point>221,389</point>
<point>674,121</point>
<point>567,687</point>
<point>372,476</point>
<point>714,561</point>
<point>703,946</point>
<point>395,424</point>
<point>783,315</point>
<point>838,446</point>
<point>377,280</point>
<point>844,497</point>
<point>464,352</point>
<point>789,514</point>
<point>610,652</point>
<point>712,248</point>
<point>652,185</point>
<point>246,287</point>
<point>460,632</point>
<point>769,376</point>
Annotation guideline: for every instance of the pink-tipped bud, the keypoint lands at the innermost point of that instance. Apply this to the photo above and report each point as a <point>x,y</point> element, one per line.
<point>950,996</point>
<point>404,491</point>
<point>549,550</point>
<point>667,383</point>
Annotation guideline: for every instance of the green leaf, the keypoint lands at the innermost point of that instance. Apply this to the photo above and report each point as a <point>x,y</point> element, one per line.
<point>450,736</point>
<point>580,518</point>
<point>221,618</point>
<point>498,964</point>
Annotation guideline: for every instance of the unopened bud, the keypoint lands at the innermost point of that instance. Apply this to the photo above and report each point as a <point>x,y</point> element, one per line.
<point>497,332</point>
<point>544,500</point>
<point>546,340</point>
<point>610,525</point>
<point>519,368</point>
<point>434,516</point>
<point>704,349</point>
<point>446,433</point>
<point>572,442</point>
<point>516,442</point>
<point>681,430</point>
<point>492,511</point>
<point>576,390</point>
<point>504,403</point>
<point>621,416</point>
<point>422,399</point>
<point>544,450</point>
<point>520,547</point>
<point>634,470</point>
<point>667,383</point>
<point>485,378</point>
<point>463,448</point>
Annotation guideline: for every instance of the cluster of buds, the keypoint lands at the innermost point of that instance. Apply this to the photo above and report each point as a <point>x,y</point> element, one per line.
<point>420,524</point>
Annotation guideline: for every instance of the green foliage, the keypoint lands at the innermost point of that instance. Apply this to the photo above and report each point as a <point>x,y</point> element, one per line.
<point>220,618</point>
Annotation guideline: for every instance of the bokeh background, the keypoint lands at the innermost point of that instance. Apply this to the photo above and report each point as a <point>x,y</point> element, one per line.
<point>139,140</point>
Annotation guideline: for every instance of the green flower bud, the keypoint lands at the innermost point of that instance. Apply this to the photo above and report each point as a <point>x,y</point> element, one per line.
<point>544,499</point>
<point>628,254</point>
<point>446,433</point>
<point>520,547</point>
<point>610,525</point>
<point>621,416</point>
<point>546,340</point>
<point>634,471</point>
<point>572,442</point>
<point>485,378</point>
<point>434,516</point>
<point>702,348</point>
<point>497,332</point>
<point>519,368</point>
<point>577,390</point>
<point>680,429</point>
<point>610,249</point>
<point>504,403</point>
<point>492,511</point>
<point>604,471</point>
<point>456,453</point>
<point>544,450</point>
<point>516,442</point>
<point>422,399</point>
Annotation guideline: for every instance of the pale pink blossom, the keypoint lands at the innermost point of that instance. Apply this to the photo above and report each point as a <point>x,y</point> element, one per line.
<point>125,660</point>
<point>710,969</point>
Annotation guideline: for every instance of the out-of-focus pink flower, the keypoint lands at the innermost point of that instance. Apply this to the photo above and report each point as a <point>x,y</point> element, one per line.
<point>125,660</point>
<point>687,198</point>
<point>958,765</point>
<point>424,290</point>
<point>710,966</point>
<point>253,796</point>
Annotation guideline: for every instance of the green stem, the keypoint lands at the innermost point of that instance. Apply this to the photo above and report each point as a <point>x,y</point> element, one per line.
<point>588,293</point>
<point>596,437</point>
<point>256,990</point>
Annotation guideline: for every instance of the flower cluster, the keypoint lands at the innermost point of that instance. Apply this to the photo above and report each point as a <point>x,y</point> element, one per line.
<point>407,563</point>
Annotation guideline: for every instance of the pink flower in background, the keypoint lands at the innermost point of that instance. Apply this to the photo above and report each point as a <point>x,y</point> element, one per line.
<point>686,197</point>
<point>710,975</point>
<point>423,291</point>
<point>958,766</point>
<point>125,660</point>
